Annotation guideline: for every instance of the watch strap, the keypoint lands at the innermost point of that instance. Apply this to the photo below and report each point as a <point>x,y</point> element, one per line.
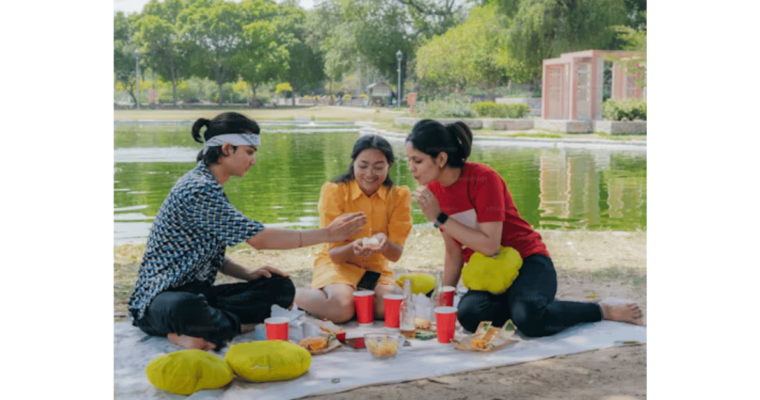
<point>441,219</point>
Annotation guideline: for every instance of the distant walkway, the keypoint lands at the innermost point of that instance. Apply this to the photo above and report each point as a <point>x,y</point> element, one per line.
<point>637,146</point>
<point>365,109</point>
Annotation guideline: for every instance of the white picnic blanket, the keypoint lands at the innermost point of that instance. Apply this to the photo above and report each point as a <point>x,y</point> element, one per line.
<point>344,369</point>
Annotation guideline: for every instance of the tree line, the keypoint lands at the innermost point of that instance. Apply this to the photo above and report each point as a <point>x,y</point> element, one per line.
<point>447,45</point>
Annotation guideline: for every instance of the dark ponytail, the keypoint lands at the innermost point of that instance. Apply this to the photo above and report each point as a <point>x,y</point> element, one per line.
<point>432,138</point>
<point>463,136</point>
<point>229,122</point>
<point>201,122</point>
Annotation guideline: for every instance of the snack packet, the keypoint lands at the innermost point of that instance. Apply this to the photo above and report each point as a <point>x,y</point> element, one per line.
<point>487,337</point>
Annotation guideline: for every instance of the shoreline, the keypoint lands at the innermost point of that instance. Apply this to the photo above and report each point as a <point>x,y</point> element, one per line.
<point>376,118</point>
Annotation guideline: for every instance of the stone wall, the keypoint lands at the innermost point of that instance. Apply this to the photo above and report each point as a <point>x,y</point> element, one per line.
<point>472,123</point>
<point>567,126</point>
<point>621,127</point>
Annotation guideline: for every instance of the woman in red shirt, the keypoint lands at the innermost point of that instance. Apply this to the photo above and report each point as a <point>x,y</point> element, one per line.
<point>470,204</point>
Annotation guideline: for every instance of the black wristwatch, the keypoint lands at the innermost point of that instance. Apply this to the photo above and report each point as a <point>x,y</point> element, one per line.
<point>440,220</point>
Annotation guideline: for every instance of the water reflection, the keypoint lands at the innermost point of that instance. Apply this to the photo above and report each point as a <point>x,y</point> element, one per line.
<point>553,188</point>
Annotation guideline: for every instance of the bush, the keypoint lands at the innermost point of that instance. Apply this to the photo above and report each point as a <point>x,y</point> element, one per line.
<point>495,110</point>
<point>347,96</point>
<point>491,109</point>
<point>517,110</point>
<point>616,110</point>
<point>452,107</point>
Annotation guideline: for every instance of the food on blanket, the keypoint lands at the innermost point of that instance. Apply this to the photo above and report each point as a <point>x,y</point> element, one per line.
<point>422,323</point>
<point>331,328</point>
<point>490,332</point>
<point>356,343</point>
<point>371,242</point>
<point>509,326</point>
<point>487,337</point>
<point>314,343</point>
<point>383,346</point>
<point>425,335</point>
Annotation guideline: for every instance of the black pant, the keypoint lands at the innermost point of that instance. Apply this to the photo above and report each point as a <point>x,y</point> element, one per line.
<point>215,313</point>
<point>529,302</point>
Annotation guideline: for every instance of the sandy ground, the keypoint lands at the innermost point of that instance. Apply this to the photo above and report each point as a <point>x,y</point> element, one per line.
<point>589,264</point>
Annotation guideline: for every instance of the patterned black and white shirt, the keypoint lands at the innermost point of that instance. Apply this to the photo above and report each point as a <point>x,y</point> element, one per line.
<point>193,227</point>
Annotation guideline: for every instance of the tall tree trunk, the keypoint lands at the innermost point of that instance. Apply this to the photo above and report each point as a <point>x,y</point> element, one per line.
<point>174,92</point>
<point>220,91</point>
<point>174,83</point>
<point>220,83</point>
<point>253,91</point>
<point>131,90</point>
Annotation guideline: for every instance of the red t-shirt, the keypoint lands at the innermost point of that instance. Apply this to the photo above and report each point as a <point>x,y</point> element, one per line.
<point>480,195</point>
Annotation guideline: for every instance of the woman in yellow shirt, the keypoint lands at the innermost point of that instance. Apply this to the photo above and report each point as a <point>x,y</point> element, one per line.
<point>340,266</point>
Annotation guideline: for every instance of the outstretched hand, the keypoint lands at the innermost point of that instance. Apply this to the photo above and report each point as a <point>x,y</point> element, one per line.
<point>345,226</point>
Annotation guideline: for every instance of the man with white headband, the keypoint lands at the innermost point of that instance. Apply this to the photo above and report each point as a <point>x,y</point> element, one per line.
<point>175,295</point>
<point>235,139</point>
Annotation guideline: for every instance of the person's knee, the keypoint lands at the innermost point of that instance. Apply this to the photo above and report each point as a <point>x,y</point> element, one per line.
<point>283,290</point>
<point>470,313</point>
<point>187,305</point>
<point>528,318</point>
<point>187,311</point>
<point>341,308</point>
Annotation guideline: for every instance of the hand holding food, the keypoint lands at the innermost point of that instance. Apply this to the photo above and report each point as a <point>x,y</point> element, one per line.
<point>371,242</point>
<point>427,202</point>
<point>359,249</point>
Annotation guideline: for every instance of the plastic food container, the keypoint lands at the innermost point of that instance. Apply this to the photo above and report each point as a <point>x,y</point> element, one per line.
<point>383,346</point>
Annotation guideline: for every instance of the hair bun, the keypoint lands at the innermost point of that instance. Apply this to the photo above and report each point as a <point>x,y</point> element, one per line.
<point>196,130</point>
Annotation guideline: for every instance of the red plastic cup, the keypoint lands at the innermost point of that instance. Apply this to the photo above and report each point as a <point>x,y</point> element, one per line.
<point>445,321</point>
<point>277,328</point>
<point>392,307</point>
<point>364,300</point>
<point>448,294</point>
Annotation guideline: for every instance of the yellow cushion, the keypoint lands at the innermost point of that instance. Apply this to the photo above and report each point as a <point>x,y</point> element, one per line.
<point>493,274</point>
<point>188,371</point>
<point>421,283</point>
<point>268,360</point>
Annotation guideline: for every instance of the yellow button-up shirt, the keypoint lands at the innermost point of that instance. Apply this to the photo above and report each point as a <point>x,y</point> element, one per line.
<point>388,210</point>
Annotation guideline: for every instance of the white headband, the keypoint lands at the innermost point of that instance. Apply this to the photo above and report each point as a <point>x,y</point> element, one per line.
<point>235,139</point>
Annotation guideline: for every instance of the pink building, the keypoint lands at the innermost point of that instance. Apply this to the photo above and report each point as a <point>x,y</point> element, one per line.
<point>573,83</point>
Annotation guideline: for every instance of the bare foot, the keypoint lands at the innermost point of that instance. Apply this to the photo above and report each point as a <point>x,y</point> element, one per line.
<point>190,342</point>
<point>629,312</point>
<point>245,328</point>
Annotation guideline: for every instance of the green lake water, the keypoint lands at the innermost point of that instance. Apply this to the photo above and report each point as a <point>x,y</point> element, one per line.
<point>553,187</point>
